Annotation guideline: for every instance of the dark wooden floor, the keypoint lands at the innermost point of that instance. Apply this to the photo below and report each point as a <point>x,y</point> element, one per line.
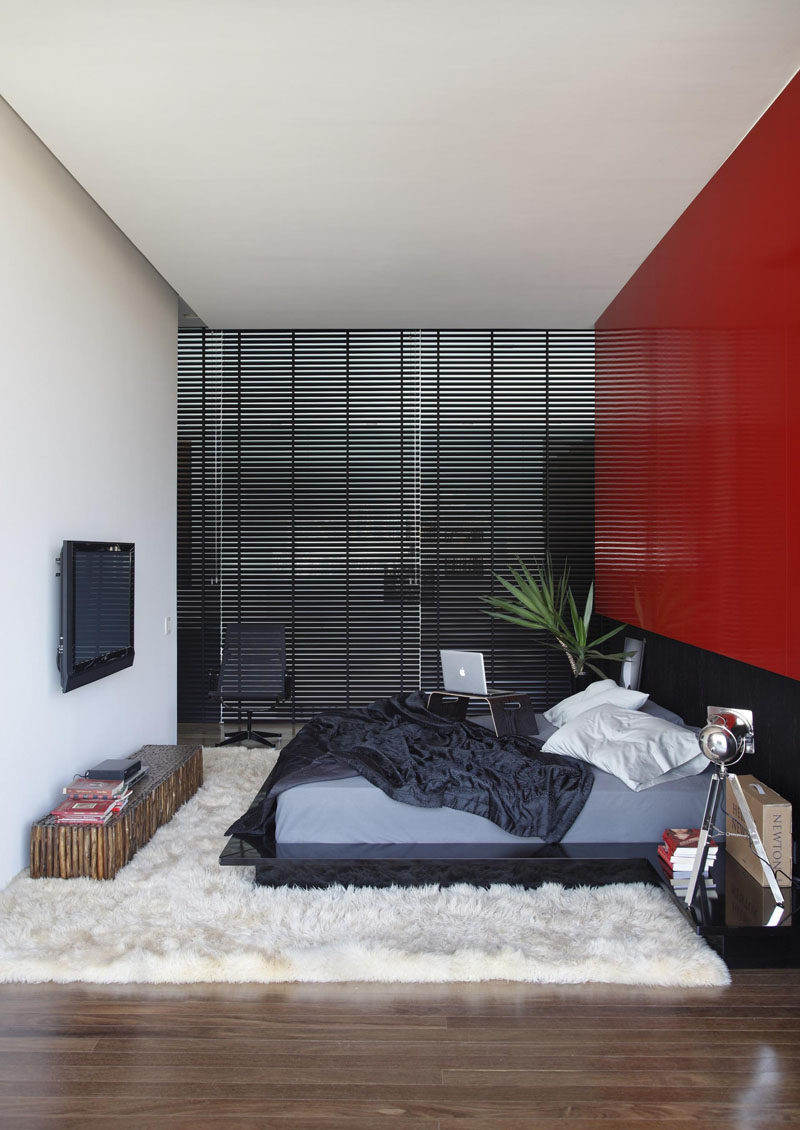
<point>438,1057</point>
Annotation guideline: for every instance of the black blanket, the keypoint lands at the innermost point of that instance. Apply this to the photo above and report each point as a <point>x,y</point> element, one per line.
<point>417,757</point>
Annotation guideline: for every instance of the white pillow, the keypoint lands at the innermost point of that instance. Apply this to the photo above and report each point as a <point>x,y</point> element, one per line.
<point>638,748</point>
<point>595,694</point>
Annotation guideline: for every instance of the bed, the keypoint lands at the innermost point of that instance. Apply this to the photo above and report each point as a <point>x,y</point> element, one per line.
<point>350,810</point>
<point>337,810</point>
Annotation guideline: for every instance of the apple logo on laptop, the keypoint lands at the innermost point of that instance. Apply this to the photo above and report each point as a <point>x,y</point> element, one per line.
<point>462,672</point>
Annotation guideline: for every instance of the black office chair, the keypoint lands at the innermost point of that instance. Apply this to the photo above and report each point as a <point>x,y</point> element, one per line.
<point>253,669</point>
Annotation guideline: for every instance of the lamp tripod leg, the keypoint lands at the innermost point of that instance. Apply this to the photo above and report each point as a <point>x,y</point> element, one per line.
<point>712,803</point>
<point>755,840</point>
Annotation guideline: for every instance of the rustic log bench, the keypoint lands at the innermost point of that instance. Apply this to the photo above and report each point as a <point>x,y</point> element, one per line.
<point>67,851</point>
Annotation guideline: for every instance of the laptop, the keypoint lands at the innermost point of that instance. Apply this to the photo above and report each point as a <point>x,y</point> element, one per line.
<point>463,671</point>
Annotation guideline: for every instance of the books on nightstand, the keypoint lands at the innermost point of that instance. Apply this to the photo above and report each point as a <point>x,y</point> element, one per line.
<point>676,854</point>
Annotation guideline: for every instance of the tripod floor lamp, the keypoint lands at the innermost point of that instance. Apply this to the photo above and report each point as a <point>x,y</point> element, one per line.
<point>726,737</point>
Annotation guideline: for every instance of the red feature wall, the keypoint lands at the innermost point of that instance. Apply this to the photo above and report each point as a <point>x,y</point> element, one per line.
<point>698,415</point>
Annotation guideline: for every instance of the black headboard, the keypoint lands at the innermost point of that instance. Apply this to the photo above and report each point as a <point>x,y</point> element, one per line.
<point>687,679</point>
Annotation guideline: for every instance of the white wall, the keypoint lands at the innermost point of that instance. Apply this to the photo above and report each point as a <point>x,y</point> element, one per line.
<point>87,450</point>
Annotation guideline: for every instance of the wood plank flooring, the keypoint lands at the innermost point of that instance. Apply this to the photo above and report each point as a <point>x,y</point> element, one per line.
<point>493,1056</point>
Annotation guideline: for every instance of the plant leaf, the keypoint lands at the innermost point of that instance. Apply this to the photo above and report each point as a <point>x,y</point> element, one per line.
<point>512,619</point>
<point>522,614</point>
<point>607,636</point>
<point>578,628</point>
<point>587,615</point>
<point>531,599</point>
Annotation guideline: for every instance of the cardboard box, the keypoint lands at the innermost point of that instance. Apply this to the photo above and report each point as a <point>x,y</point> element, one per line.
<point>749,901</point>
<point>773,819</point>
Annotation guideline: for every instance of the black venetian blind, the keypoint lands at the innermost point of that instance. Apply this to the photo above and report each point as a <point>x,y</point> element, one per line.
<point>362,487</point>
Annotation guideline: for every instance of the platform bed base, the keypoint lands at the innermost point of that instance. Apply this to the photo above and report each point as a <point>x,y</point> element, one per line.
<point>312,873</point>
<point>416,865</point>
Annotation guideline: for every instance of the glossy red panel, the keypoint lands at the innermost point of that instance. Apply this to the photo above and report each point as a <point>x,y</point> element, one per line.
<point>698,415</point>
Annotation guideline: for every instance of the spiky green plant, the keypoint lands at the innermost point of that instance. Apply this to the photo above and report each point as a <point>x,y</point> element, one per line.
<point>542,601</point>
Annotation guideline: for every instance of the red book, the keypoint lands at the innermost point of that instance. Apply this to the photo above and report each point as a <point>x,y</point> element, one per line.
<point>685,839</point>
<point>119,801</point>
<point>90,811</point>
<point>86,788</point>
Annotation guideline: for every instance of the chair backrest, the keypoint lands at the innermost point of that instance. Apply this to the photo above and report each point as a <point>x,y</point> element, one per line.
<point>253,662</point>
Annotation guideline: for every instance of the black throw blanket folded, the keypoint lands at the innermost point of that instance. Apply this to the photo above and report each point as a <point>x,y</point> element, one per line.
<point>417,757</point>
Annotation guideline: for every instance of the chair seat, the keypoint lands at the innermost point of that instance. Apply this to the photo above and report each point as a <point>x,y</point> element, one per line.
<point>253,670</point>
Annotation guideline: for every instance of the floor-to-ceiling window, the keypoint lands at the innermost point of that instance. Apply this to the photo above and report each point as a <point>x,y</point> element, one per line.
<point>363,487</point>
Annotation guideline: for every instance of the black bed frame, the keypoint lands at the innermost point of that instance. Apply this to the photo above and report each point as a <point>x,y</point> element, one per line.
<point>414,865</point>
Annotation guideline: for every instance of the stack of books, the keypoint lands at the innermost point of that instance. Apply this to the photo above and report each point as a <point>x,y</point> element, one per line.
<point>76,810</point>
<point>102,792</point>
<point>677,852</point>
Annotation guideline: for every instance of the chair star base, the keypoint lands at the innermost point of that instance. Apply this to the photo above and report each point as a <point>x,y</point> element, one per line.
<point>250,735</point>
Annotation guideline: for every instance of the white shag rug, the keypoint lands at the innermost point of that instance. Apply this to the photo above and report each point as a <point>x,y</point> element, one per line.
<point>174,915</point>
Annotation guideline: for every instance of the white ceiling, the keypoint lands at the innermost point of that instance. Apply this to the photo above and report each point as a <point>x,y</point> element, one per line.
<point>419,163</point>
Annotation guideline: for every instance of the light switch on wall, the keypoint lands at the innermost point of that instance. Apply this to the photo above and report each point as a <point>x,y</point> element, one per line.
<point>167,625</point>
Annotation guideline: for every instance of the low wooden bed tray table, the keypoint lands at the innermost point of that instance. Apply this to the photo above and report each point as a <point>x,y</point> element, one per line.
<point>511,713</point>
<point>66,851</point>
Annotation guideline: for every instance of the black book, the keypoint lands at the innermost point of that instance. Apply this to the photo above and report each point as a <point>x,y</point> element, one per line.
<point>116,769</point>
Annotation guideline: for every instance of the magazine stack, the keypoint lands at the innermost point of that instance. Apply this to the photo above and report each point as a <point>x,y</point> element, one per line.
<point>92,801</point>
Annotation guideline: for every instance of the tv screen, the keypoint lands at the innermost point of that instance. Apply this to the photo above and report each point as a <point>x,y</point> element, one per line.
<point>96,611</point>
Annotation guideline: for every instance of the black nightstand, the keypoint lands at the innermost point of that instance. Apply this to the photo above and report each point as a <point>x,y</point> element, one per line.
<point>741,919</point>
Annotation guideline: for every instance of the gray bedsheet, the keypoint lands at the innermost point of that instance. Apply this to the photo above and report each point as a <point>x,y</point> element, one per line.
<point>350,810</point>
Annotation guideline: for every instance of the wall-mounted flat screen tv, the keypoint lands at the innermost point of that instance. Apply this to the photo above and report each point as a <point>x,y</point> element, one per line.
<point>96,611</point>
